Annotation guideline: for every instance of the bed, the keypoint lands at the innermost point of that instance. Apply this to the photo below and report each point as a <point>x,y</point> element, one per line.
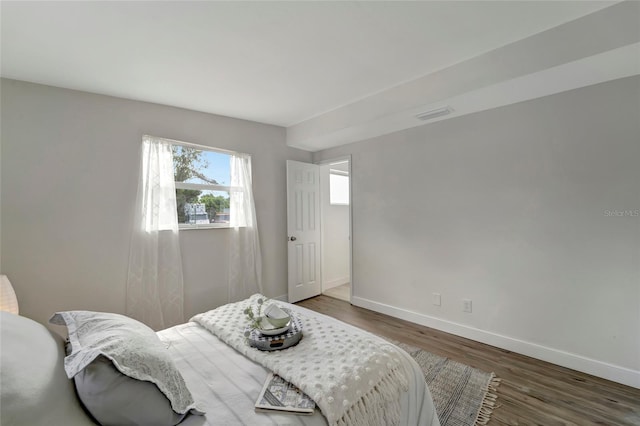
<point>223,382</point>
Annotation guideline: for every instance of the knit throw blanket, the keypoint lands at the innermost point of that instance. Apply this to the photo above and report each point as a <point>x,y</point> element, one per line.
<point>354,377</point>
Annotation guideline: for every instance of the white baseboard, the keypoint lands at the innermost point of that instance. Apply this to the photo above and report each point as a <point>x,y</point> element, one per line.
<point>326,285</point>
<point>594,367</point>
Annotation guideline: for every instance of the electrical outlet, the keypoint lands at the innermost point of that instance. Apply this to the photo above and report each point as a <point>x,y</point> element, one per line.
<point>436,299</point>
<point>466,305</point>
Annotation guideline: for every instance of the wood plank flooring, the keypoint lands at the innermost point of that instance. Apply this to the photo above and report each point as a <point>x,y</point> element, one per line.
<point>532,392</point>
<point>342,292</point>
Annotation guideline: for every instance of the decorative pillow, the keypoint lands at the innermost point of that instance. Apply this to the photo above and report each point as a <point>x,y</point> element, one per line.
<point>115,399</point>
<point>35,389</point>
<point>135,351</point>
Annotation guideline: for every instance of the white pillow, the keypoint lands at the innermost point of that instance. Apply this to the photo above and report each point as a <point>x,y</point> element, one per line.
<point>34,386</point>
<point>135,351</point>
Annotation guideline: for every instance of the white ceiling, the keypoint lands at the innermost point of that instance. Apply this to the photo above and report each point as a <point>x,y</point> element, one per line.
<point>282,63</point>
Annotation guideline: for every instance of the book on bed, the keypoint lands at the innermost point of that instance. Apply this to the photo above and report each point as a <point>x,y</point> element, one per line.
<point>279,395</point>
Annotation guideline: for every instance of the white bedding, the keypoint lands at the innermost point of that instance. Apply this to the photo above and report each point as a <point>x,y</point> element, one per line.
<point>225,384</point>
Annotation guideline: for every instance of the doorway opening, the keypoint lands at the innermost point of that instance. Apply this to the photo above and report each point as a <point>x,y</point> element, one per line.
<point>335,219</point>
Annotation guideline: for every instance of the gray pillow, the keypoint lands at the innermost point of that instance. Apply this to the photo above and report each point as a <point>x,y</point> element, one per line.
<point>115,399</point>
<point>140,386</point>
<point>35,389</point>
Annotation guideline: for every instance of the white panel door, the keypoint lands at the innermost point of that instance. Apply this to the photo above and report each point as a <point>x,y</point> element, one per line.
<point>303,227</point>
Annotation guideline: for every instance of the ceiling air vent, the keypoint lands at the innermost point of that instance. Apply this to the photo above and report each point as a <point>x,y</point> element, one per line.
<point>438,112</point>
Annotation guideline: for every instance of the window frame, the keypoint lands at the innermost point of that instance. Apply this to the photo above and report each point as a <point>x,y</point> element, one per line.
<point>344,174</point>
<point>203,186</point>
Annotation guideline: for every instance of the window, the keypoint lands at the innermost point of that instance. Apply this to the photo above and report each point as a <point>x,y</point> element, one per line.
<point>202,180</point>
<point>338,187</point>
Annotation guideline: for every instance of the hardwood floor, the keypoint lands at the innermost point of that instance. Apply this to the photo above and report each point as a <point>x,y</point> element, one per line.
<point>532,392</point>
<point>342,292</point>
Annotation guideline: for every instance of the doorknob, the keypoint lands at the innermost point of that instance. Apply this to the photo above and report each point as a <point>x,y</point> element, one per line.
<point>292,238</point>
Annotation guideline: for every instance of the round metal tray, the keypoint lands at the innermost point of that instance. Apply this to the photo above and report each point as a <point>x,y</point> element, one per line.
<point>281,341</point>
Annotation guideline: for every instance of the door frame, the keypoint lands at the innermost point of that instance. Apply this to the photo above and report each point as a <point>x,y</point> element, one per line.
<point>322,260</point>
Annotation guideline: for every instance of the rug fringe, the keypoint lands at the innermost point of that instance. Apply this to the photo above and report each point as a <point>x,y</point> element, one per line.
<point>488,401</point>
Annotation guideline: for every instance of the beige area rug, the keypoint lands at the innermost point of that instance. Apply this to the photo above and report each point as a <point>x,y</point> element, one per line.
<point>463,396</point>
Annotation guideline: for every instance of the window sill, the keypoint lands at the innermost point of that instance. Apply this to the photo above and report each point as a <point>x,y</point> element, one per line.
<point>184,227</point>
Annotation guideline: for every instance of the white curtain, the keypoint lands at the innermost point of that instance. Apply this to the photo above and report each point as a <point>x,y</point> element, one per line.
<point>245,261</point>
<point>154,282</point>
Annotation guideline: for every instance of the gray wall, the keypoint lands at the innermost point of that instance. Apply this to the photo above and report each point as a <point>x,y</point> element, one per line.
<point>509,208</point>
<point>69,179</point>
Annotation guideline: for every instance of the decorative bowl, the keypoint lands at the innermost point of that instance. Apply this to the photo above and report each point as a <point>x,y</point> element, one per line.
<point>276,316</point>
<point>269,329</point>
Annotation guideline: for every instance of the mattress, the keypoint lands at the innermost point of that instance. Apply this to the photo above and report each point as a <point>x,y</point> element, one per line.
<point>225,384</point>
